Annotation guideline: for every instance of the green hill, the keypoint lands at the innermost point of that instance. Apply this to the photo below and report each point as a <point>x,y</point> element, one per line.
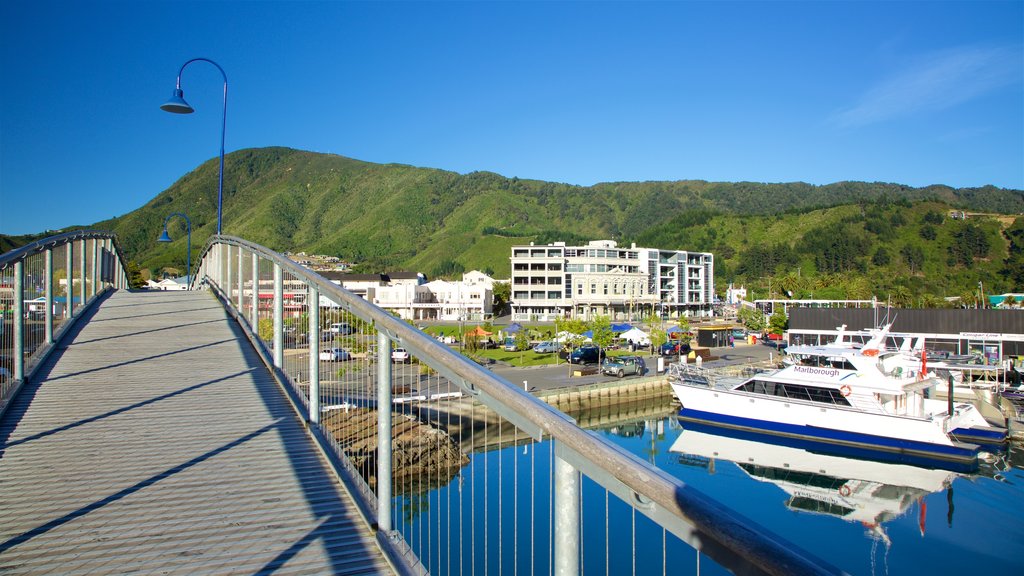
<point>402,217</point>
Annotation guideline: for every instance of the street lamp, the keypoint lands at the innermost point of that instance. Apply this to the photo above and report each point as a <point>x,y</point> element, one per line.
<point>167,238</point>
<point>177,105</point>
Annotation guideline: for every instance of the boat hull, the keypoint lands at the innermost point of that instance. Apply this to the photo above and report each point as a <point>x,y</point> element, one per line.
<point>844,442</point>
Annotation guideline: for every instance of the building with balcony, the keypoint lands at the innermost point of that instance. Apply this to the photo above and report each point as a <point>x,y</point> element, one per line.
<point>601,278</point>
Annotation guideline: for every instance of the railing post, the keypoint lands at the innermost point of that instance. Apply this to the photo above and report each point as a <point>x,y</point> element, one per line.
<point>254,302</point>
<point>384,472</point>
<point>241,281</point>
<point>48,290</point>
<point>314,354</point>
<point>94,288</point>
<point>81,274</point>
<point>69,281</point>
<point>278,316</point>
<point>19,320</point>
<point>567,518</point>
<point>227,273</point>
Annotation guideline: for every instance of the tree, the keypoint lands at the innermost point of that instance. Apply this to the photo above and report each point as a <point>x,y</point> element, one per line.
<point>602,330</point>
<point>900,296</point>
<point>658,337</point>
<point>522,340</point>
<point>969,242</point>
<point>928,232</point>
<point>134,275</point>
<point>913,256</point>
<point>779,322</point>
<point>265,329</point>
<point>502,294</point>
<point>881,257</point>
<point>752,318</point>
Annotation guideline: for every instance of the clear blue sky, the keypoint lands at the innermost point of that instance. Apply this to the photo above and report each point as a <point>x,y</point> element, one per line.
<point>911,92</point>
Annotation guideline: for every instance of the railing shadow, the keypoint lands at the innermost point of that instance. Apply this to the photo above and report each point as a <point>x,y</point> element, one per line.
<point>331,514</point>
<point>329,509</point>
<point>57,522</point>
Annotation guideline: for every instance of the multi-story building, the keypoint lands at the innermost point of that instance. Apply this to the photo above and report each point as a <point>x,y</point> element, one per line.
<point>601,278</point>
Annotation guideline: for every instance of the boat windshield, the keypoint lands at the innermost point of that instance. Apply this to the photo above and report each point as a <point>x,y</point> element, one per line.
<point>795,391</point>
<point>826,361</point>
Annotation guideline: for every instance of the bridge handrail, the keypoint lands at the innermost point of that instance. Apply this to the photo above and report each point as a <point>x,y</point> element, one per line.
<point>38,246</point>
<point>22,349</point>
<point>727,537</point>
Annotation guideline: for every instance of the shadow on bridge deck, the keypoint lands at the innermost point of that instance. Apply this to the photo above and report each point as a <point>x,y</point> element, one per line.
<point>155,440</point>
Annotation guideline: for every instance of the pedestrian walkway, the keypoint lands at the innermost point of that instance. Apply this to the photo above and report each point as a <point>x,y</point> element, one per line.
<point>155,441</point>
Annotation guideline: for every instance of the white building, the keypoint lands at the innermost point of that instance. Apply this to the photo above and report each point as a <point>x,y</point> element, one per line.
<point>735,295</point>
<point>413,298</point>
<point>603,279</point>
<point>179,283</point>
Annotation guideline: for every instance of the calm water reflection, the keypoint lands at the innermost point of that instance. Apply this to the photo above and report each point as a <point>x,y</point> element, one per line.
<point>866,517</point>
<point>863,516</point>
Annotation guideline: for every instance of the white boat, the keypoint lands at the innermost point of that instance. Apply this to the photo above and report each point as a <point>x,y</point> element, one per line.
<point>859,398</point>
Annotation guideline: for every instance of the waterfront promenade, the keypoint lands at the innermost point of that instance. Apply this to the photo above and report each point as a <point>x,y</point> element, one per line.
<point>155,441</point>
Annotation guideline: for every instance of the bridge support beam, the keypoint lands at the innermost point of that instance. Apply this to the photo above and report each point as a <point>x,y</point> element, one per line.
<point>314,354</point>
<point>48,293</point>
<point>69,280</point>
<point>241,282</point>
<point>225,272</point>
<point>278,316</point>
<point>19,320</point>
<point>254,302</point>
<point>384,431</point>
<point>567,518</point>
<point>81,273</point>
<point>94,285</point>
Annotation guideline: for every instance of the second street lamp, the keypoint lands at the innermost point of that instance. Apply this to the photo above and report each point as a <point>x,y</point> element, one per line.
<point>177,105</point>
<point>165,237</point>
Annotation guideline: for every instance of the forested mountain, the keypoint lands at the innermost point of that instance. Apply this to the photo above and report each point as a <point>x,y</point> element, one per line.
<point>874,236</point>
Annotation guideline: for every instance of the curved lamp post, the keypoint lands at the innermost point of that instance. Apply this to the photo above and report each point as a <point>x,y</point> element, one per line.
<point>177,105</point>
<point>166,238</point>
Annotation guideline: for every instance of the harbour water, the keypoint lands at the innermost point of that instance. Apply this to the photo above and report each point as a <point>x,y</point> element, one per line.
<point>861,516</point>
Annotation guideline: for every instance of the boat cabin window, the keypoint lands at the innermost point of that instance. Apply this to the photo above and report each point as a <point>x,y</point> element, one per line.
<point>796,392</point>
<point>827,362</point>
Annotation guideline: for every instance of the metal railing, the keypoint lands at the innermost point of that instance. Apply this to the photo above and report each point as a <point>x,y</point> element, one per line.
<point>456,468</point>
<point>44,287</point>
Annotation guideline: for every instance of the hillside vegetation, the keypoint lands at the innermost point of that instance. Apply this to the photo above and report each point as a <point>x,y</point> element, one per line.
<point>848,238</point>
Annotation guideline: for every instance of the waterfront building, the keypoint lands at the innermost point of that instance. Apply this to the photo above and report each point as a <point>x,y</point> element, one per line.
<point>601,278</point>
<point>412,297</point>
<point>990,336</point>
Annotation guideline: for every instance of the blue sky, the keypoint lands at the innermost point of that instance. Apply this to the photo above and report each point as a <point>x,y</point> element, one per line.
<point>916,93</point>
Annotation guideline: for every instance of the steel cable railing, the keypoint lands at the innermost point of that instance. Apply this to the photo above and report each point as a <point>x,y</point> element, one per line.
<point>44,286</point>
<point>460,471</point>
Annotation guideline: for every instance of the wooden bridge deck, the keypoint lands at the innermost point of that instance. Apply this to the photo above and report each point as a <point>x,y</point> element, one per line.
<point>155,441</point>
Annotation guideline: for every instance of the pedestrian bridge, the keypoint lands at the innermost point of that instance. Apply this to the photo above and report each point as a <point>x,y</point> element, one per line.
<point>218,430</point>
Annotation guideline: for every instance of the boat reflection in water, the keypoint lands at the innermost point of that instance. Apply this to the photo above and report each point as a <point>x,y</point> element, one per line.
<point>866,491</point>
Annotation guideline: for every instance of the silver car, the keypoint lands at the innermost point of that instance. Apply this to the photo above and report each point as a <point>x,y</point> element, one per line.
<point>546,347</point>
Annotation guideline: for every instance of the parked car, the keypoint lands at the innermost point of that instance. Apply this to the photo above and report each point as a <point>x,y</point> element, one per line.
<point>342,329</point>
<point>674,348</point>
<point>586,354</point>
<point>622,365</point>
<point>546,347</point>
<point>400,355</point>
<point>334,355</point>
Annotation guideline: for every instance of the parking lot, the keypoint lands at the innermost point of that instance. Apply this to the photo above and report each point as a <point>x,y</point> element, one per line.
<point>539,378</point>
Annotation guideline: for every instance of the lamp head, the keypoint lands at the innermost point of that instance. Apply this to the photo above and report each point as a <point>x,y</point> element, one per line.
<point>164,237</point>
<point>177,104</point>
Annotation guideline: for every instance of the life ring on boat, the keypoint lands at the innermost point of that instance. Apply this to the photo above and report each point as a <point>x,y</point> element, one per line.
<point>844,490</point>
<point>844,390</point>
